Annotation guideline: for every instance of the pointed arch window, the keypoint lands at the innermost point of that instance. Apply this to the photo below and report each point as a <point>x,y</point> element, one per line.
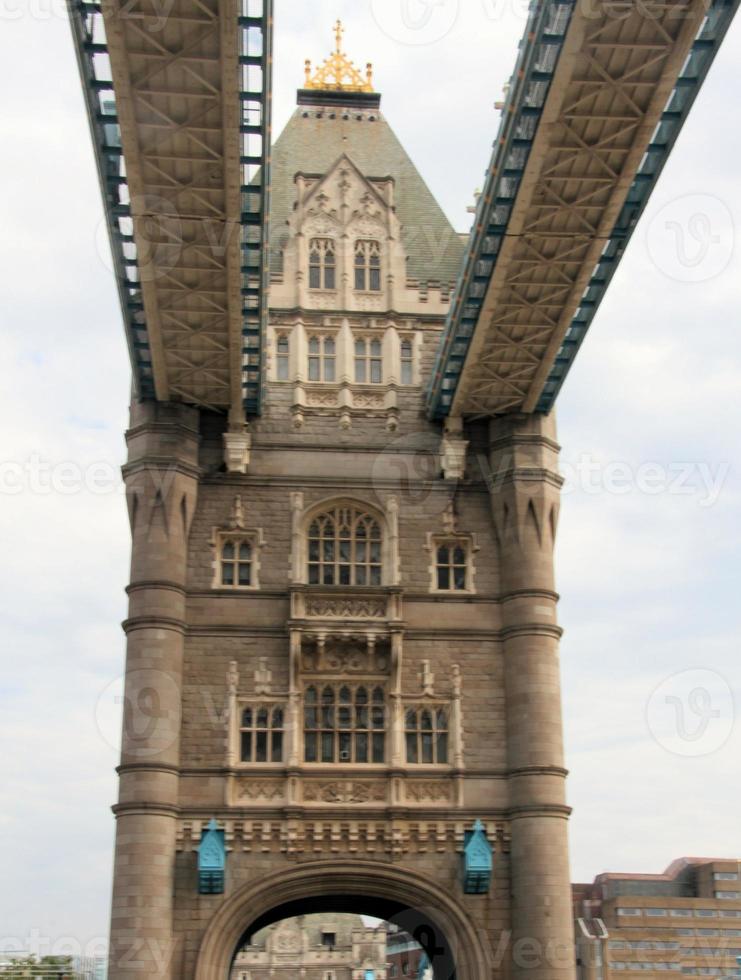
<point>345,548</point>
<point>368,360</point>
<point>322,264</point>
<point>322,357</point>
<point>345,723</point>
<point>426,735</point>
<point>261,734</point>
<point>368,266</point>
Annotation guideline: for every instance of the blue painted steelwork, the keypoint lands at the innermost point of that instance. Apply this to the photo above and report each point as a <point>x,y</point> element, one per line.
<point>531,80</point>
<point>704,50</point>
<point>256,67</point>
<point>88,33</point>
<point>478,861</point>
<point>211,861</point>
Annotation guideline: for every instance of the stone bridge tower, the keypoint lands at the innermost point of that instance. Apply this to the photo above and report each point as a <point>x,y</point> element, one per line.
<point>342,639</point>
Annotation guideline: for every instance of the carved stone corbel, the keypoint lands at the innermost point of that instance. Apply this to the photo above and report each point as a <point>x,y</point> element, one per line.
<point>453,448</point>
<point>237,446</point>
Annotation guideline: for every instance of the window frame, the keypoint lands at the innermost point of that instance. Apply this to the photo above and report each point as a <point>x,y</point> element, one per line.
<point>237,538</point>
<point>407,364</point>
<point>275,725</point>
<point>323,358</point>
<point>367,266</point>
<point>322,724</point>
<point>466,542</point>
<point>327,271</point>
<point>439,735</point>
<point>345,554</point>
<point>368,362</point>
<point>282,356</point>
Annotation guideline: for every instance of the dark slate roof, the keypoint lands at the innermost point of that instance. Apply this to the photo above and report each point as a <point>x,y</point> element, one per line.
<point>312,145</point>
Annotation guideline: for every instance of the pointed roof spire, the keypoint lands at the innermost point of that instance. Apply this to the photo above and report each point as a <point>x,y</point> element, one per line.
<point>338,73</point>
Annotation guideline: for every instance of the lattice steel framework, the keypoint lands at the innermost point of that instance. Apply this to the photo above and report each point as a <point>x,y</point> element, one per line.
<point>599,95</point>
<point>179,100</point>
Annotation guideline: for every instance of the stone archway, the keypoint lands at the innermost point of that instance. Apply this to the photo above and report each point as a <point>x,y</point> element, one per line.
<point>376,886</point>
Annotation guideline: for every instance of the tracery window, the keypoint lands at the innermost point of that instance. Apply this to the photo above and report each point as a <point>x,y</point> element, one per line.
<point>344,723</point>
<point>452,572</point>
<point>345,548</point>
<point>236,562</point>
<point>322,357</point>
<point>407,362</point>
<point>368,361</point>
<point>426,733</point>
<point>283,350</point>
<point>261,734</point>
<point>322,264</point>
<point>367,266</point>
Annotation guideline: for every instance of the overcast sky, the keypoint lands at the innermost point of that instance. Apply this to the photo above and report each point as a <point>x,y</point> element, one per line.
<point>648,560</point>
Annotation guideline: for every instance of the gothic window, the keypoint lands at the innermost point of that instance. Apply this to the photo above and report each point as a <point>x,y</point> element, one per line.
<point>322,358</point>
<point>344,548</point>
<point>368,361</point>
<point>322,264</point>
<point>344,723</point>
<point>236,560</point>
<point>452,566</point>
<point>283,350</point>
<point>426,731</point>
<point>368,266</point>
<point>261,734</point>
<point>407,362</point>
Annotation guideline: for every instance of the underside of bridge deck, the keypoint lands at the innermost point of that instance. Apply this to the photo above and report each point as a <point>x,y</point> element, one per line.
<point>179,99</point>
<point>598,97</point>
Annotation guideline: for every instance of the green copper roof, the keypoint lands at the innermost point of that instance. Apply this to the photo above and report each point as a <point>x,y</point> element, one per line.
<point>313,140</point>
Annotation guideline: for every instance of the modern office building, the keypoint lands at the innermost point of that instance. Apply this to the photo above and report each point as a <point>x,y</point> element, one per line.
<point>686,921</point>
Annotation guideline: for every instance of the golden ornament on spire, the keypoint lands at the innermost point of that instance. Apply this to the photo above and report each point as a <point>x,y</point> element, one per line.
<point>338,73</point>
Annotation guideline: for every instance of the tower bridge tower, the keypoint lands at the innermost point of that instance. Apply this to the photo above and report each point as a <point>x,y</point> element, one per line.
<point>342,637</point>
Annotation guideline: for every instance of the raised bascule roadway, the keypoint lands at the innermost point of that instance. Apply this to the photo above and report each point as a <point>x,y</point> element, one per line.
<point>180,112</point>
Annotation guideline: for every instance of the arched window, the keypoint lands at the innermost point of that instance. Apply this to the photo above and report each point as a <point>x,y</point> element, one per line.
<point>322,264</point>
<point>235,562</point>
<point>368,360</point>
<point>451,567</point>
<point>368,266</point>
<point>261,734</point>
<point>426,731</point>
<point>344,548</point>
<point>322,358</point>
<point>344,723</point>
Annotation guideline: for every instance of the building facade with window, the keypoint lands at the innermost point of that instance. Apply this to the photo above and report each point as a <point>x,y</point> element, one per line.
<point>342,641</point>
<point>685,922</point>
<point>314,947</point>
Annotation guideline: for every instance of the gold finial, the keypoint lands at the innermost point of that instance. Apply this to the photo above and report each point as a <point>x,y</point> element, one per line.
<point>338,73</point>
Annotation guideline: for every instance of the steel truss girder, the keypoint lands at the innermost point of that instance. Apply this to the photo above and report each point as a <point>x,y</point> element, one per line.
<point>562,199</point>
<point>176,103</point>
